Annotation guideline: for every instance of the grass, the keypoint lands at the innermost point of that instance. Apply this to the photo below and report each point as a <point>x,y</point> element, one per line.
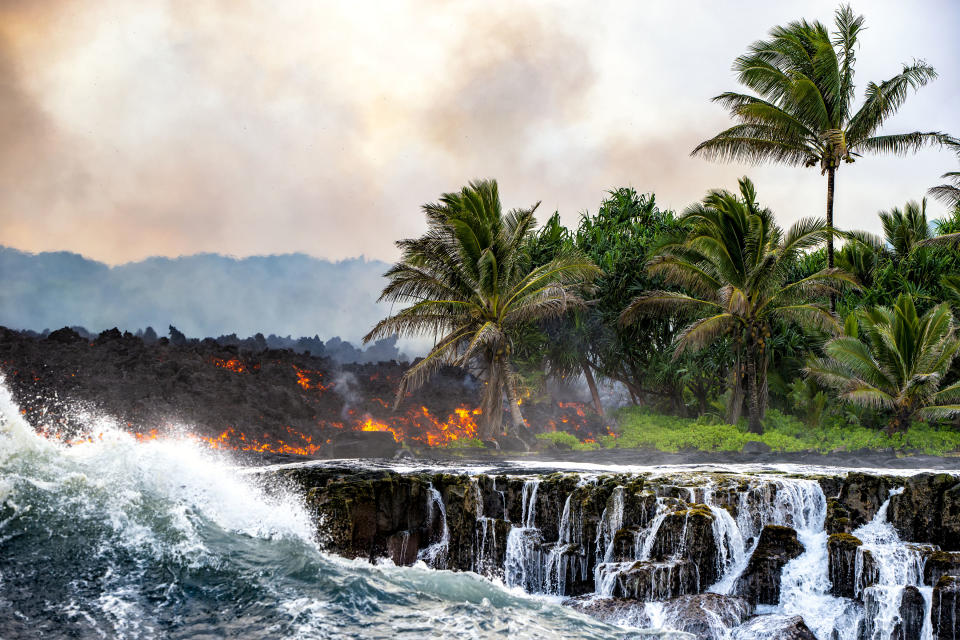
<point>567,440</point>
<point>641,428</point>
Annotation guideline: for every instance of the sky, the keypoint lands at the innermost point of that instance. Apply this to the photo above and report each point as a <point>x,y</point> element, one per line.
<point>134,129</point>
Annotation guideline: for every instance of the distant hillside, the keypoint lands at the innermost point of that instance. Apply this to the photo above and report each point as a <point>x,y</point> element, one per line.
<point>202,295</point>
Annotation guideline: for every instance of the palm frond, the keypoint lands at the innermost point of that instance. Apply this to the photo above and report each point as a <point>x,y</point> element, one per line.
<point>660,302</point>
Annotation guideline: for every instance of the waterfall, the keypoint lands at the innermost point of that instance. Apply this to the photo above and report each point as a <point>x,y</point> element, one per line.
<point>894,566</point>
<point>523,564</point>
<point>528,504</point>
<point>645,548</point>
<point>435,555</point>
<point>485,545</point>
<point>805,581</point>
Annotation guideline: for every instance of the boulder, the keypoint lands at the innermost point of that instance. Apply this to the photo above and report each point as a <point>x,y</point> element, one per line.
<point>945,612</point>
<point>618,611</point>
<point>688,534</point>
<point>379,514</point>
<point>939,564</point>
<point>65,335</point>
<point>755,447</point>
<point>652,580</point>
<point>774,627</point>
<point>838,517</point>
<point>869,572</point>
<point>928,510</point>
<point>861,496</point>
<point>511,443</point>
<point>911,615</point>
<point>760,581</point>
<point>841,558</point>
<point>710,616</point>
<point>364,444</point>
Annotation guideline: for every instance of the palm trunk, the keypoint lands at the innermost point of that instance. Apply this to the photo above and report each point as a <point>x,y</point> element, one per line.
<point>593,386</point>
<point>831,173</point>
<point>754,424</point>
<point>737,387</point>
<point>517,425</point>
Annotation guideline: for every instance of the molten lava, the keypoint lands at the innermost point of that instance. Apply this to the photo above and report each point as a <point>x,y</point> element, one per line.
<point>338,411</point>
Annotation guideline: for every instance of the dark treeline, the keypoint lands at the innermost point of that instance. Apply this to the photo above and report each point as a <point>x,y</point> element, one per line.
<point>336,349</point>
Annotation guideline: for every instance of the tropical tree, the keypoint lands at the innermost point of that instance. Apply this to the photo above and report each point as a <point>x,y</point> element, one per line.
<point>912,256</point>
<point>735,262</point>
<point>619,238</point>
<point>561,347</point>
<point>896,360</point>
<point>469,284</point>
<point>803,112</point>
<point>949,193</point>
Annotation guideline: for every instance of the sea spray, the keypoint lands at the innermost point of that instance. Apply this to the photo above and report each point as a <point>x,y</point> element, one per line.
<point>140,541</point>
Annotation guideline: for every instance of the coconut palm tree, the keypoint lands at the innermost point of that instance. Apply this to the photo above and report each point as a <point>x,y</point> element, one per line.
<point>735,261</point>
<point>803,112</point>
<point>469,283</point>
<point>949,193</point>
<point>899,363</point>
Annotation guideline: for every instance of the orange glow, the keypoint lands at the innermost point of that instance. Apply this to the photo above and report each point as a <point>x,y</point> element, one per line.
<point>305,380</point>
<point>233,365</point>
<point>417,426</point>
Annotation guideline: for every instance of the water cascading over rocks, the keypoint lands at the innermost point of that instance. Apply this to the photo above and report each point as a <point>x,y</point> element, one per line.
<point>719,555</point>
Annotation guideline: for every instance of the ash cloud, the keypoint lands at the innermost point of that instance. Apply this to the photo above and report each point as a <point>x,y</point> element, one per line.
<point>137,129</point>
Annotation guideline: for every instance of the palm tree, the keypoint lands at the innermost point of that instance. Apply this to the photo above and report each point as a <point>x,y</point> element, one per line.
<point>899,364</point>
<point>949,193</point>
<point>469,284</point>
<point>803,114</point>
<point>735,260</point>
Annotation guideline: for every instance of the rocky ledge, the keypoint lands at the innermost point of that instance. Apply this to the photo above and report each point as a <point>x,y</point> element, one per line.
<point>695,542</point>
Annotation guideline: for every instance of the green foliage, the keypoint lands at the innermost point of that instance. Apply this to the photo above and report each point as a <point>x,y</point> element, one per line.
<point>900,363</point>
<point>620,238</point>
<point>567,440</point>
<point>908,259</point>
<point>465,443</point>
<point>734,263</point>
<point>784,433</point>
<point>949,193</point>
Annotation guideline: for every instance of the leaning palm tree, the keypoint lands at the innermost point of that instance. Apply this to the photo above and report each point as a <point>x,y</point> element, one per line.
<point>803,112</point>
<point>736,261</point>
<point>469,284</point>
<point>949,193</point>
<point>899,363</point>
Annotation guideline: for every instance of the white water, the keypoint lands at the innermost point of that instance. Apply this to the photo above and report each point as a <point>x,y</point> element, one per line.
<point>182,513</point>
<point>118,539</point>
<point>435,555</point>
<point>898,565</point>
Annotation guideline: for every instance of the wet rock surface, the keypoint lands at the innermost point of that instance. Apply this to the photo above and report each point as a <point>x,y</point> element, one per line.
<point>760,582</point>
<point>945,611</point>
<point>911,615</point>
<point>928,510</point>
<point>842,554</point>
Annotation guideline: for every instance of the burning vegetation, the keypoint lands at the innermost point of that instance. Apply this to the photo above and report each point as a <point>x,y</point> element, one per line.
<point>269,402</point>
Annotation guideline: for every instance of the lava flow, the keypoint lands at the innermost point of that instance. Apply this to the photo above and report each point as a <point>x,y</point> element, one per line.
<point>302,409</point>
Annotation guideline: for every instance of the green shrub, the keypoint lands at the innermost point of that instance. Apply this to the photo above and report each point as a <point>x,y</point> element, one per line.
<point>465,443</point>
<point>782,432</point>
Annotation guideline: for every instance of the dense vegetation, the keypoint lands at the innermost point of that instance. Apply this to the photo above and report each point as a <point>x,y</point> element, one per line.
<point>716,312</point>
